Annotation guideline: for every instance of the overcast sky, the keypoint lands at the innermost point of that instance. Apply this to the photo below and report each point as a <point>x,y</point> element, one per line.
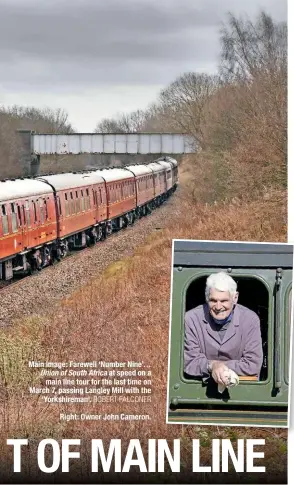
<point>95,58</point>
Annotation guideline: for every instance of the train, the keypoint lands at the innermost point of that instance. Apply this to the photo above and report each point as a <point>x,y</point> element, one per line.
<point>263,273</point>
<point>43,218</point>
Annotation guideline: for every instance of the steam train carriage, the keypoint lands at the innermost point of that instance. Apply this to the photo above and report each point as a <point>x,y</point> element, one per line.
<point>28,220</point>
<point>42,218</point>
<point>263,273</point>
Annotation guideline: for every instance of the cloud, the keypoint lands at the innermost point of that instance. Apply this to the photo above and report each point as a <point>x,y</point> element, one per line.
<point>72,47</point>
<point>91,41</point>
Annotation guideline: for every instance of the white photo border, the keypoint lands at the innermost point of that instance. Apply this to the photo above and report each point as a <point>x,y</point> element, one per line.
<point>291,391</point>
<point>290,222</point>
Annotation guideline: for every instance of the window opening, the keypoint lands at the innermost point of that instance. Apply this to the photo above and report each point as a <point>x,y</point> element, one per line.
<point>82,201</point>
<point>66,202</point>
<point>28,215</point>
<point>35,211</point>
<point>253,294</point>
<point>4,220</point>
<point>77,202</point>
<point>42,212</point>
<point>46,209</point>
<point>72,203</point>
<point>59,206</point>
<point>13,217</point>
<point>19,215</point>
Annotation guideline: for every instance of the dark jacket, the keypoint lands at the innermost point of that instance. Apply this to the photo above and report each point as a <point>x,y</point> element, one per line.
<point>240,348</point>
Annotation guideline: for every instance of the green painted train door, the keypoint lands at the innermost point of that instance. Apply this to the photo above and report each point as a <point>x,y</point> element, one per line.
<point>273,389</point>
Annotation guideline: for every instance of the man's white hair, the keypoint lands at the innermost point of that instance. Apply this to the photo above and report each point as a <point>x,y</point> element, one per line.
<point>220,282</point>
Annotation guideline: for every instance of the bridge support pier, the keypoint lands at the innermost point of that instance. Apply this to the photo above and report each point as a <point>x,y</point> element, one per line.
<point>29,162</point>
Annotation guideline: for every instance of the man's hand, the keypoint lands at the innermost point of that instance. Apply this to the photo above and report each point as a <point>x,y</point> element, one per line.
<point>218,370</point>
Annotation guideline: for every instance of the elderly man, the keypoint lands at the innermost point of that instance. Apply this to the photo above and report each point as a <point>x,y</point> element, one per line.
<point>222,334</point>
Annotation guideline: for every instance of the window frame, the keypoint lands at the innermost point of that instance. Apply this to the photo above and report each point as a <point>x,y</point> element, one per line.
<point>270,331</point>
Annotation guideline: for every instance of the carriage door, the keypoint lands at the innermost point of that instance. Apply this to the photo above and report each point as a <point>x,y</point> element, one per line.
<point>101,201</point>
<point>96,203</point>
<point>26,218</point>
<point>165,180</point>
<point>22,230</point>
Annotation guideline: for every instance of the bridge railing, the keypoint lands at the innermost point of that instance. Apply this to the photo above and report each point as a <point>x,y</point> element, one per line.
<point>120,143</point>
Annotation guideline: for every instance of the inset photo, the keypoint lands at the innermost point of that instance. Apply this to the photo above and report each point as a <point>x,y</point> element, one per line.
<point>230,333</point>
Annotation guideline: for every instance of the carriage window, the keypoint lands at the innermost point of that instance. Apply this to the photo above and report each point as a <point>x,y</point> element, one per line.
<point>87,202</point>
<point>59,206</point>
<point>82,201</point>
<point>24,215</point>
<point>253,294</point>
<point>46,209</point>
<point>42,212</point>
<point>35,211</point>
<point>87,199</point>
<point>66,205</point>
<point>28,215</point>
<point>4,219</point>
<point>19,215</point>
<point>72,203</point>
<point>77,202</point>
<point>13,217</point>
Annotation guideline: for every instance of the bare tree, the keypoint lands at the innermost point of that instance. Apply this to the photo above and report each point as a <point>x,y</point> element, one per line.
<point>123,123</point>
<point>15,118</point>
<point>184,100</point>
<point>254,62</point>
<point>249,47</point>
<point>133,122</point>
<point>58,119</point>
<point>108,125</point>
<point>45,119</point>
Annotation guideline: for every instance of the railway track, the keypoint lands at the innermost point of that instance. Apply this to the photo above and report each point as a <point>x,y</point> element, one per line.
<point>40,292</point>
<point>7,285</point>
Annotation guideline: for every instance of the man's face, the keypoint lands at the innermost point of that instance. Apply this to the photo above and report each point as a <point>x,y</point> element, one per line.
<point>221,303</point>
